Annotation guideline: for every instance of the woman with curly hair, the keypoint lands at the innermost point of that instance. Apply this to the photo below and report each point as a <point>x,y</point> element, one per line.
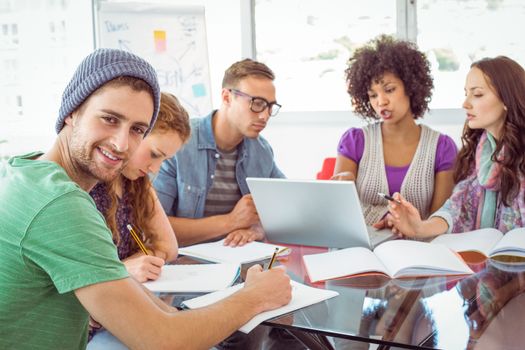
<point>490,170</point>
<point>390,85</point>
<point>131,199</point>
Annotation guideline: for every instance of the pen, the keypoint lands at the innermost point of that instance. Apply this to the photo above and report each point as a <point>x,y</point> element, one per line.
<point>272,260</point>
<point>275,254</point>
<point>390,198</point>
<point>137,239</point>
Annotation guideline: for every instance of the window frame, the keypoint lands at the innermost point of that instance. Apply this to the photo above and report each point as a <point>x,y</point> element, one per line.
<point>406,24</point>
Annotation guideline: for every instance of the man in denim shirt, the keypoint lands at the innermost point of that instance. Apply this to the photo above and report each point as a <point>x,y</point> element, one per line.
<point>203,188</point>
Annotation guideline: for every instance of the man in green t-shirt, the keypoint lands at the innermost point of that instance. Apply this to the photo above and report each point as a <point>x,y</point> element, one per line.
<point>58,263</point>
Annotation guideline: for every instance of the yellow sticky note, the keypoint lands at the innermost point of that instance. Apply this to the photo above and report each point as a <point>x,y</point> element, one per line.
<point>159,38</point>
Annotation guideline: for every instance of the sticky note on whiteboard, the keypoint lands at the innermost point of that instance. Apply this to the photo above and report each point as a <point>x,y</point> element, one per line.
<point>199,90</point>
<point>159,37</point>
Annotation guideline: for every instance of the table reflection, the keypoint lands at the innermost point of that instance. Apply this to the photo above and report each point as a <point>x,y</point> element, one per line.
<point>494,306</point>
<point>482,311</point>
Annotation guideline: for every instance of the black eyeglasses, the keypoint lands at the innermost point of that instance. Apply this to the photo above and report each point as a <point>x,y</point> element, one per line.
<point>259,104</point>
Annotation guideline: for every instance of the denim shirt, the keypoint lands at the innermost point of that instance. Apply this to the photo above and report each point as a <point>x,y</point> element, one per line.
<point>184,180</point>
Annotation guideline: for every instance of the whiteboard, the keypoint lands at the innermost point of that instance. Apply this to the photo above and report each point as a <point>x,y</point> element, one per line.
<point>171,38</point>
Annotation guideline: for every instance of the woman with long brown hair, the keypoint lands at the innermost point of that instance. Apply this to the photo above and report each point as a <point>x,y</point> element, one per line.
<point>490,168</point>
<point>131,200</point>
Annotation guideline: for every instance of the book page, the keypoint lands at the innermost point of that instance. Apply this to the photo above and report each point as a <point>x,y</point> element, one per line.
<point>342,263</point>
<point>194,278</point>
<point>302,296</point>
<point>405,258</point>
<point>481,241</point>
<point>218,252</point>
<point>512,243</point>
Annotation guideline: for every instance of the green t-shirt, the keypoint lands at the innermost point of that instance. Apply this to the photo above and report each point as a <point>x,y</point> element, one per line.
<point>52,241</point>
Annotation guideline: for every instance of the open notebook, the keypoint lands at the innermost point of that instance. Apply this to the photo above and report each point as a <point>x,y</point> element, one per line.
<point>302,296</point>
<point>487,243</point>
<point>194,278</point>
<point>396,259</point>
<point>218,252</point>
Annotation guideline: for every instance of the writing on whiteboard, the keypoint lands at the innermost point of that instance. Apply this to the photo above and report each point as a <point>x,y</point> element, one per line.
<point>115,27</point>
<point>172,38</point>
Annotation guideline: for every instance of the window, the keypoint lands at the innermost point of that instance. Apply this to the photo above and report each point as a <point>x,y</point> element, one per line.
<point>455,33</point>
<point>36,59</point>
<point>308,42</point>
<point>43,41</point>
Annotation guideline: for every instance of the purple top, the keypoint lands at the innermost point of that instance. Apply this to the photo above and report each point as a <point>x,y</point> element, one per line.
<point>352,146</point>
<point>100,195</point>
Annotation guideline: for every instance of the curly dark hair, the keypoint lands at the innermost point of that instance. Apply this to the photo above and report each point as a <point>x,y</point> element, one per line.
<point>386,54</point>
<point>507,79</point>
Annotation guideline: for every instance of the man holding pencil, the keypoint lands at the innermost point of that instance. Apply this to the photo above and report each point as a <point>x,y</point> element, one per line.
<point>58,262</point>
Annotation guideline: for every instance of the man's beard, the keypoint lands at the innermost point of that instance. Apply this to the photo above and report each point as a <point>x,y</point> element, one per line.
<point>82,157</point>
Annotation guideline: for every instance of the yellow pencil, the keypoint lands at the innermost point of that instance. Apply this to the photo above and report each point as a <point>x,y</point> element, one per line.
<point>137,239</point>
<point>275,255</point>
<point>273,258</point>
<point>282,250</point>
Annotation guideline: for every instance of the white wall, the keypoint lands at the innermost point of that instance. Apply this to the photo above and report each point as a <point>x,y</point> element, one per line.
<point>301,140</point>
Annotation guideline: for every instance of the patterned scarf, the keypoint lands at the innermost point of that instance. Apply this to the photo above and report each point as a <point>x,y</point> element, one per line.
<point>488,176</point>
<point>474,202</point>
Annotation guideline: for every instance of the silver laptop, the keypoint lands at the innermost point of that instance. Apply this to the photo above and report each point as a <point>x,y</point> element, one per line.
<point>313,212</point>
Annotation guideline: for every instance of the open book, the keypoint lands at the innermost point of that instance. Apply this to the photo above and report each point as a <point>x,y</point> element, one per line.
<point>194,278</point>
<point>218,252</point>
<point>396,259</point>
<point>302,296</point>
<point>487,243</point>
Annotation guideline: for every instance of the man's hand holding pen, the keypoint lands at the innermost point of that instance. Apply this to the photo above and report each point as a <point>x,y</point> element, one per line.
<point>276,253</point>
<point>269,288</point>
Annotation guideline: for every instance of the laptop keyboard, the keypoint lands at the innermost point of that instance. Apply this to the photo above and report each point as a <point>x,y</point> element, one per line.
<point>379,236</point>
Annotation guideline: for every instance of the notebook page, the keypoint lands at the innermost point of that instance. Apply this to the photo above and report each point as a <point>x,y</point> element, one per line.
<point>342,263</point>
<point>406,258</point>
<point>194,278</point>
<point>302,296</point>
<point>512,243</point>
<point>218,252</point>
<point>481,241</point>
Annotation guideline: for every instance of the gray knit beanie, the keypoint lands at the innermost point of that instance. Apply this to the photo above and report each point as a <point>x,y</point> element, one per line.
<point>97,69</point>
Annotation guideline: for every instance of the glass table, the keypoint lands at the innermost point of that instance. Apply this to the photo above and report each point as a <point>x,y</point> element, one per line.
<point>485,310</point>
<point>482,311</point>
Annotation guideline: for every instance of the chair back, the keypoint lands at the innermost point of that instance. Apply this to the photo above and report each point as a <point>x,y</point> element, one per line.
<point>327,170</point>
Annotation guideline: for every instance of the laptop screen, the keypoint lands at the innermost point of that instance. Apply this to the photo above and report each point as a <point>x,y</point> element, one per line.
<point>310,212</point>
